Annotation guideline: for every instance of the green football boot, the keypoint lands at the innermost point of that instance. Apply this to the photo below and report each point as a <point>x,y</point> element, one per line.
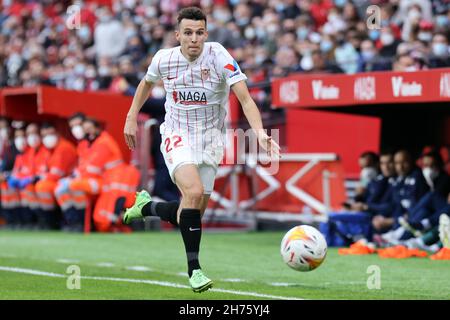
<point>133,213</point>
<point>199,282</point>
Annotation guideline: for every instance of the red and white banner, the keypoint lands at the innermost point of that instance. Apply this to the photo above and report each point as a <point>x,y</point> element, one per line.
<point>322,90</point>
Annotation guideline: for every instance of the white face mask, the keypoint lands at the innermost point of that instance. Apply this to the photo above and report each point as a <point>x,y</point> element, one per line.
<point>367,175</point>
<point>33,140</point>
<point>50,141</point>
<point>429,175</point>
<point>20,143</point>
<point>78,132</point>
<point>386,39</point>
<point>4,133</point>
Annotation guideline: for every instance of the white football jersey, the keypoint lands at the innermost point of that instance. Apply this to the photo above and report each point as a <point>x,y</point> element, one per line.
<point>196,92</point>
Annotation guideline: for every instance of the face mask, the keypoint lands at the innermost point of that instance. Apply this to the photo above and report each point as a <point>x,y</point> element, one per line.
<point>4,133</point>
<point>33,140</point>
<point>367,175</point>
<point>414,14</point>
<point>302,33</point>
<point>441,21</point>
<point>425,36</point>
<point>429,175</point>
<point>307,63</point>
<point>440,49</point>
<point>374,34</point>
<point>222,16</point>
<point>340,3</point>
<point>78,132</point>
<point>272,29</point>
<point>249,33</point>
<point>20,143</point>
<point>411,69</point>
<point>368,55</point>
<point>387,39</point>
<point>326,46</point>
<point>50,141</point>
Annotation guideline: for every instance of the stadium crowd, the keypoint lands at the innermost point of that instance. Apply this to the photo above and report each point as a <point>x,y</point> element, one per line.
<point>112,46</point>
<point>408,201</point>
<point>49,183</point>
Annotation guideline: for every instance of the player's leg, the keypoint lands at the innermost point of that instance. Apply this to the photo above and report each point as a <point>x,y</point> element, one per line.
<point>189,182</point>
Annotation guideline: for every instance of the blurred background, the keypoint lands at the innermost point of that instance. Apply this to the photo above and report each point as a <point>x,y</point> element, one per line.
<point>333,87</point>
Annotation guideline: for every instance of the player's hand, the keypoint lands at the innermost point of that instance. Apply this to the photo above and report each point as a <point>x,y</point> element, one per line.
<point>130,132</point>
<point>267,143</point>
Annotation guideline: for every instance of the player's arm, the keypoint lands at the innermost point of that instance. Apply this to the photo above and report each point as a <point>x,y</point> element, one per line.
<point>253,116</point>
<point>140,96</point>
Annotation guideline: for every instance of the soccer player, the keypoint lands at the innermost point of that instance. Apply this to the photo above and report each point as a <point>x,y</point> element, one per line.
<point>197,77</point>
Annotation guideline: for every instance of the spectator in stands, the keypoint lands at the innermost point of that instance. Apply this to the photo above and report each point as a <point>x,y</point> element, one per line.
<point>110,40</point>
<point>369,58</point>
<point>60,163</point>
<point>440,56</point>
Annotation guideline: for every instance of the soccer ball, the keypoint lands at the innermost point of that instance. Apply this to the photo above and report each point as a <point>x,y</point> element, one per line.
<point>303,248</point>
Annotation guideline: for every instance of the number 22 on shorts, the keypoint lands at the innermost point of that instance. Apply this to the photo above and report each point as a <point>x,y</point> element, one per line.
<point>176,143</point>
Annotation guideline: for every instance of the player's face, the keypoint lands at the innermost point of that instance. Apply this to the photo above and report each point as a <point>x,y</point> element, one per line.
<point>192,35</point>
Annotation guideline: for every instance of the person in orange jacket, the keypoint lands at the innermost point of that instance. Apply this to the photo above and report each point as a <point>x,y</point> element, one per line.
<point>104,155</point>
<point>11,177</point>
<point>34,164</point>
<point>60,163</point>
<point>72,210</point>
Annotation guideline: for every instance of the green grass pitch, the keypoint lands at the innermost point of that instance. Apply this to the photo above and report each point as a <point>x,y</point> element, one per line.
<point>244,265</point>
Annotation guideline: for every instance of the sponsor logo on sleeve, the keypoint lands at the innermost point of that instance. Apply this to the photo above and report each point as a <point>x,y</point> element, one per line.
<point>234,68</point>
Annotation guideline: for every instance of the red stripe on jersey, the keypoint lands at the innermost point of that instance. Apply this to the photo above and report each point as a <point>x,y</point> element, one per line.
<point>192,75</point>
<point>201,77</point>
<point>178,63</point>
<point>217,74</point>
<point>184,81</point>
<point>187,121</point>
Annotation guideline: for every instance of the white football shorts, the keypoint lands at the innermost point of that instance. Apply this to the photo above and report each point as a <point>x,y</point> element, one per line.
<point>177,152</point>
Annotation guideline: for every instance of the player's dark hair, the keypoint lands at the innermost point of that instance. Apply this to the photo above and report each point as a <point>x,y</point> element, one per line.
<point>191,13</point>
<point>76,115</point>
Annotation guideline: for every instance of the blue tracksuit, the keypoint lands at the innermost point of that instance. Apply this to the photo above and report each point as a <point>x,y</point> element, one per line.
<point>407,193</point>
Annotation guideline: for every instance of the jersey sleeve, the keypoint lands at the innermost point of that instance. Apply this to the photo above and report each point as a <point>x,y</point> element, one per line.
<point>230,70</point>
<point>153,73</point>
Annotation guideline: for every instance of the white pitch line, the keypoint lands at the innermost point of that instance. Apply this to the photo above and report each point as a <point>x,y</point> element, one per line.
<point>138,268</point>
<point>105,264</point>
<point>67,260</point>
<point>152,282</point>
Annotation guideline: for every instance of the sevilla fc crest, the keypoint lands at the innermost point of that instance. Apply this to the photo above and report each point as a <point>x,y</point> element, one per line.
<point>205,74</point>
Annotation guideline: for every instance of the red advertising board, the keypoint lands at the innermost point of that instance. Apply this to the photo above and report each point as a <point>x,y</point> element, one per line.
<point>323,90</point>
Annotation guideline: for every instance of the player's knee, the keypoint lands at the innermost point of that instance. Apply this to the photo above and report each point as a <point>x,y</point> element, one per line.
<point>194,193</point>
